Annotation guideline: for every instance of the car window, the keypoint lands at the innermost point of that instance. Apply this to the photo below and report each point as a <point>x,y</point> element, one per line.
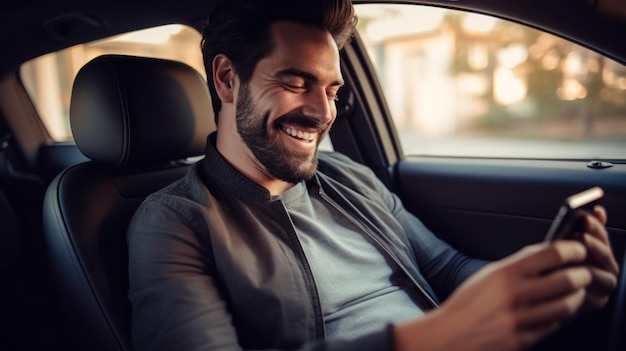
<point>463,84</point>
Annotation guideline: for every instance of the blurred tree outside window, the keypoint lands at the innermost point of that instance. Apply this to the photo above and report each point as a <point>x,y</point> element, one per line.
<point>464,84</point>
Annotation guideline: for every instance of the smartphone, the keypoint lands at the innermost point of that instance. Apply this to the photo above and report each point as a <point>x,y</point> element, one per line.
<point>569,223</point>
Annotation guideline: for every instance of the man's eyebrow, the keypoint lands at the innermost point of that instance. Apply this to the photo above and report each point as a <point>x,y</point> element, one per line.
<point>304,75</point>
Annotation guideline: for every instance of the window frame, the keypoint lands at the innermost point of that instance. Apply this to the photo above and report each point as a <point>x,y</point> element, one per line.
<point>387,139</point>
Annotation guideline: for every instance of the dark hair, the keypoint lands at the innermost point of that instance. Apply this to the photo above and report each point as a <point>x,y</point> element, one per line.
<point>239,29</point>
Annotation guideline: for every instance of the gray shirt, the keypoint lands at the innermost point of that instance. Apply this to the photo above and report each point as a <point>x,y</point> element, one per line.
<point>361,290</point>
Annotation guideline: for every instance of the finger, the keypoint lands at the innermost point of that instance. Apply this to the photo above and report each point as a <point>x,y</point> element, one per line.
<point>600,213</point>
<point>552,311</point>
<point>555,284</point>
<point>593,225</point>
<point>602,282</point>
<point>600,254</point>
<point>595,302</point>
<point>537,259</point>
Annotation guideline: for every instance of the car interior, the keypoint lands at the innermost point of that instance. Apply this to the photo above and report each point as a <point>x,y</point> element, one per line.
<point>121,116</point>
<point>138,123</point>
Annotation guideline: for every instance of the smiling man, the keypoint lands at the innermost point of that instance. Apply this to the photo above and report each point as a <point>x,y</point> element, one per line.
<point>269,244</point>
<point>284,111</point>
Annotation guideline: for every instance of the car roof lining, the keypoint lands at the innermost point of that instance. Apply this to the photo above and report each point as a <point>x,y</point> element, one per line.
<point>590,23</point>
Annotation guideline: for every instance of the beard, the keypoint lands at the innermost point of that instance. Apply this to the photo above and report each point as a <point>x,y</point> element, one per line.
<point>263,141</point>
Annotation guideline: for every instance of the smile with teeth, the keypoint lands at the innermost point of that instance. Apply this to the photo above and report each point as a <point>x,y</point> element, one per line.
<point>296,133</point>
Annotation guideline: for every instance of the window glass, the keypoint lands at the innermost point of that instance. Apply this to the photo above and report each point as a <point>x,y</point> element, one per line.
<point>48,79</point>
<point>463,84</point>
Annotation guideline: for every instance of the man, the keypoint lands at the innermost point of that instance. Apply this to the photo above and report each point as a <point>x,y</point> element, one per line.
<point>266,244</point>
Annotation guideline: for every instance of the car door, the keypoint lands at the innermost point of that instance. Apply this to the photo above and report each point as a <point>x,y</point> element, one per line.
<point>487,196</point>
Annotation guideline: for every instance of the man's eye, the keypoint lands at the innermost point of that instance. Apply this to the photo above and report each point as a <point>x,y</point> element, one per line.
<point>298,88</point>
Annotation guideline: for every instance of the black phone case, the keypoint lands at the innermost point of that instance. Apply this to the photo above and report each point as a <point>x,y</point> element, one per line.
<point>569,221</point>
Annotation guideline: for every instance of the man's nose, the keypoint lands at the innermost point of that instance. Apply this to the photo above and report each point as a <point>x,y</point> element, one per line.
<point>319,106</point>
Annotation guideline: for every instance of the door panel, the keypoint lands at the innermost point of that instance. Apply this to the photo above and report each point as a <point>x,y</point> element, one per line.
<point>489,208</point>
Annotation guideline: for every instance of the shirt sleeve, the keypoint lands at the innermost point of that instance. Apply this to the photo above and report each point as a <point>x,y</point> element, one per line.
<point>444,267</point>
<point>176,304</point>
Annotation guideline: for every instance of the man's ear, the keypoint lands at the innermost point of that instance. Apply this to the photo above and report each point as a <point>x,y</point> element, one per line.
<point>224,78</point>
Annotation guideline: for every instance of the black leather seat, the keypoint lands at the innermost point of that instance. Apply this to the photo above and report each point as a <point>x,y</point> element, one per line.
<point>137,120</point>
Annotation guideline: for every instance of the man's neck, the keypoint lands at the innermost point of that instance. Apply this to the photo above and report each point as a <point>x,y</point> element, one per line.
<point>230,147</point>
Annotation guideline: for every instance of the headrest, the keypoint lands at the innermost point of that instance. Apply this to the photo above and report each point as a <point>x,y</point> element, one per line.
<point>131,111</point>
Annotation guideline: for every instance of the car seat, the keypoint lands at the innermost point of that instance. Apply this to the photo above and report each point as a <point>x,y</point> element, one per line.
<point>138,120</point>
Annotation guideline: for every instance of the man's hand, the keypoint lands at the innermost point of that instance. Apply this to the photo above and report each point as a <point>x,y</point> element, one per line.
<point>600,260</point>
<point>512,303</point>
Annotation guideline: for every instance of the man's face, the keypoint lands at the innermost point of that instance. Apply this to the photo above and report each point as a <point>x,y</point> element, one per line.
<point>288,106</point>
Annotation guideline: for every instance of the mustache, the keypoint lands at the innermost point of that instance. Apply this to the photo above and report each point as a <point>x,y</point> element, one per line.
<point>304,122</point>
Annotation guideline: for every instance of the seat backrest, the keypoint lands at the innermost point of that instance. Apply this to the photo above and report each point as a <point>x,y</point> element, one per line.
<point>135,119</point>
